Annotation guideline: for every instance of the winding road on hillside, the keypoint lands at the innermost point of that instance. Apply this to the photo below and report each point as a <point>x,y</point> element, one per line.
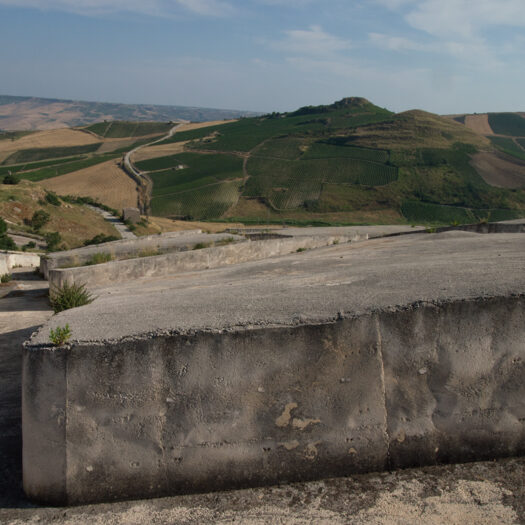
<point>127,157</point>
<point>144,181</point>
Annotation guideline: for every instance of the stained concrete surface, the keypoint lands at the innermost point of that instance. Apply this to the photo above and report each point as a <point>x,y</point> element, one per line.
<point>490,492</point>
<point>309,287</point>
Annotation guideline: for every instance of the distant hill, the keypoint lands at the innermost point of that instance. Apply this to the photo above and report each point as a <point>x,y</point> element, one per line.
<point>350,162</point>
<point>30,113</point>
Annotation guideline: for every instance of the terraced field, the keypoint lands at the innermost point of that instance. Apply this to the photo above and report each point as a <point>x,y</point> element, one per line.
<point>509,146</point>
<point>507,124</point>
<point>204,202</point>
<point>35,154</point>
<point>123,129</point>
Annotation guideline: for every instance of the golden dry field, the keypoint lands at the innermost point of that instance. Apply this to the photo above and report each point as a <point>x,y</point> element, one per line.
<point>64,137</point>
<point>162,150</point>
<point>105,182</point>
<point>479,124</point>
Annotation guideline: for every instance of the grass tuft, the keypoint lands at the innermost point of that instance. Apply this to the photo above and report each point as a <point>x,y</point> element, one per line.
<point>69,296</point>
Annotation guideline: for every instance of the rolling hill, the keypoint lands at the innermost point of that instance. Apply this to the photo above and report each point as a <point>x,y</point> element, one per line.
<point>349,162</point>
<point>33,113</point>
<point>346,162</point>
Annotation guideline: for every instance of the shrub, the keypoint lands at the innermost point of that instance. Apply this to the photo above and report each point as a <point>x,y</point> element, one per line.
<point>30,244</point>
<point>100,238</point>
<point>52,240</point>
<point>69,296</point>
<point>11,179</point>
<point>6,243</point>
<point>60,335</point>
<point>52,198</point>
<point>201,245</point>
<point>39,219</point>
<point>3,227</point>
<point>5,278</point>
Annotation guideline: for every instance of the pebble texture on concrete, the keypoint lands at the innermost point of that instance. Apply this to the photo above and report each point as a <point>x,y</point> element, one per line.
<point>312,286</point>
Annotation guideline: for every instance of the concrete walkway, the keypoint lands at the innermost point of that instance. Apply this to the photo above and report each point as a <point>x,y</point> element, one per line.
<point>124,231</point>
<point>23,308</point>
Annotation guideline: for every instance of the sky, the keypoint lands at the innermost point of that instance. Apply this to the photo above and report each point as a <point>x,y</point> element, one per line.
<point>444,56</point>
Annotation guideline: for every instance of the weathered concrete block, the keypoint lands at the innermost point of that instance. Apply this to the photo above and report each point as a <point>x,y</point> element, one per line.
<point>208,410</point>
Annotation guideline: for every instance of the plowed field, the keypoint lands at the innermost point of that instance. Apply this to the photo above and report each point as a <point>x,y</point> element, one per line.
<point>479,124</point>
<point>497,169</point>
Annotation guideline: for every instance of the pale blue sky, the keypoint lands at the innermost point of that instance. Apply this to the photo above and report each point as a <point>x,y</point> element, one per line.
<point>445,56</point>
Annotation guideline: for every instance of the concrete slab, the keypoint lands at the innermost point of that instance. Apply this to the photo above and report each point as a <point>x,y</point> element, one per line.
<point>309,287</point>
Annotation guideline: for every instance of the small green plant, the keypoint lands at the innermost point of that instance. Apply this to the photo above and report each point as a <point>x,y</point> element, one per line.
<point>5,278</point>
<point>149,253</point>
<point>431,230</point>
<point>99,258</point>
<point>30,244</point>
<point>60,335</point>
<point>224,242</point>
<point>299,250</point>
<point>69,296</point>
<point>454,223</point>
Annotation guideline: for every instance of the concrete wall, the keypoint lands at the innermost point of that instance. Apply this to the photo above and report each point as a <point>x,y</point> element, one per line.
<point>10,259</point>
<point>121,248</point>
<point>487,227</point>
<point>153,416</point>
<point>173,263</point>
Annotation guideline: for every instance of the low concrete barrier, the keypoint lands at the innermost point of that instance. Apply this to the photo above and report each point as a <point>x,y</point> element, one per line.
<point>124,247</point>
<point>9,259</point>
<point>487,227</point>
<point>173,263</point>
<point>156,415</point>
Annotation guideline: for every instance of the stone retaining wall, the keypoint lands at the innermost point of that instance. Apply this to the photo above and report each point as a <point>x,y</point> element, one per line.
<point>125,247</point>
<point>178,262</point>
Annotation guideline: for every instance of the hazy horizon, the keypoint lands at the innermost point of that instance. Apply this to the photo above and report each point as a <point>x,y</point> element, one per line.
<point>444,56</point>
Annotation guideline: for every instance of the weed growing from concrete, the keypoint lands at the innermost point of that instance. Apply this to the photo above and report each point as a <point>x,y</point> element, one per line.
<point>201,245</point>
<point>5,278</point>
<point>99,258</point>
<point>69,296</point>
<point>299,250</point>
<point>60,335</point>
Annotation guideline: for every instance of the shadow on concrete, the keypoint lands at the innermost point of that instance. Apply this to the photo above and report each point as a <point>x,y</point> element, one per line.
<point>11,493</point>
<point>24,300</point>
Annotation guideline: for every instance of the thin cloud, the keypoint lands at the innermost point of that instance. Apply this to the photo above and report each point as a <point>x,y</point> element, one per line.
<point>313,41</point>
<point>151,7</point>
